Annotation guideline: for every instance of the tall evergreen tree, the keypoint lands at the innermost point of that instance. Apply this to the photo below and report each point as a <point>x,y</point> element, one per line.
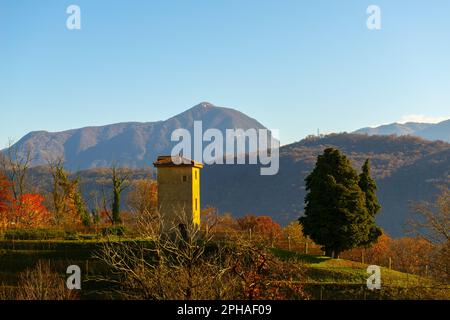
<point>369,187</point>
<point>336,216</point>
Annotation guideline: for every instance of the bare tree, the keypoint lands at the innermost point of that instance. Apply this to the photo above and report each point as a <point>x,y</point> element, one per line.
<point>101,205</point>
<point>432,221</point>
<point>142,196</point>
<point>15,165</point>
<point>164,267</point>
<point>66,196</point>
<point>39,283</point>
<point>185,261</point>
<point>119,184</point>
<point>56,167</point>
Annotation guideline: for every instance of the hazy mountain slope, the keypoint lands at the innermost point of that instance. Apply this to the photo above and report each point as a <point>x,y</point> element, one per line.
<point>399,166</point>
<point>126,144</point>
<point>440,131</point>
<point>409,128</point>
<point>410,184</point>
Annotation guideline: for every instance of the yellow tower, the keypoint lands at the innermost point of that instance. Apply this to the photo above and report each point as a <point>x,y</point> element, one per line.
<point>178,188</point>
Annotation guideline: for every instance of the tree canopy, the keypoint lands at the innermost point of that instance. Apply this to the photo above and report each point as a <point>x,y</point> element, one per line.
<point>339,213</point>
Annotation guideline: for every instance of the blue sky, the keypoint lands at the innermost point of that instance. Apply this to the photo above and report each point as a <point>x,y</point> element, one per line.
<point>293,65</point>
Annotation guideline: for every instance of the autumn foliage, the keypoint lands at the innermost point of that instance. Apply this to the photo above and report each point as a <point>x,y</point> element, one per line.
<point>407,254</point>
<point>29,212</point>
<point>411,255</point>
<point>378,253</point>
<point>260,226</point>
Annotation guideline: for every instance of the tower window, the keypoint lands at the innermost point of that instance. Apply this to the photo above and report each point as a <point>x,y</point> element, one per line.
<point>184,178</point>
<point>195,175</point>
<point>196,204</point>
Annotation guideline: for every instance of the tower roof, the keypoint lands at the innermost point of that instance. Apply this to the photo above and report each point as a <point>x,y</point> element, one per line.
<point>168,161</point>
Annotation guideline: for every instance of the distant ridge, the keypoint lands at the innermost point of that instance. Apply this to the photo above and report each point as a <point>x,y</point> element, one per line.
<point>429,131</point>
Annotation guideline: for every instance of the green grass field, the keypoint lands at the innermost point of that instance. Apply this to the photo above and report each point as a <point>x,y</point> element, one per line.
<point>328,278</point>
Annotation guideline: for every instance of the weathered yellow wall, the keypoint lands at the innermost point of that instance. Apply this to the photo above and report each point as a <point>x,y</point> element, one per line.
<point>176,196</point>
<point>196,195</point>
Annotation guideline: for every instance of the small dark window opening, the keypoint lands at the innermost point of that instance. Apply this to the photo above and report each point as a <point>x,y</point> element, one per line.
<point>184,178</point>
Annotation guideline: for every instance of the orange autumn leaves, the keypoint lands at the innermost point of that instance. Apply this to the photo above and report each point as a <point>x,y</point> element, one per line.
<point>27,211</point>
<point>30,212</point>
<point>260,225</point>
<point>405,254</point>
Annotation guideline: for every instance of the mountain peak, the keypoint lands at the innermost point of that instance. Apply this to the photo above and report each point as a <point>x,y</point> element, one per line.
<point>130,144</point>
<point>204,104</point>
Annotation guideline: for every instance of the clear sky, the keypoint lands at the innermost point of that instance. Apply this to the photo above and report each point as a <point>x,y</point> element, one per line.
<point>294,65</point>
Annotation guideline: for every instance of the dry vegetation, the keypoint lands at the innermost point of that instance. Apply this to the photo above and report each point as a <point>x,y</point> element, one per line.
<point>39,283</point>
<point>188,262</point>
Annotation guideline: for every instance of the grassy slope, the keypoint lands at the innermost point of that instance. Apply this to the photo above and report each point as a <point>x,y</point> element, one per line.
<point>343,279</point>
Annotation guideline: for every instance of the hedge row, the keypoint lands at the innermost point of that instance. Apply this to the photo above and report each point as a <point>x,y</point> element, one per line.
<point>51,234</point>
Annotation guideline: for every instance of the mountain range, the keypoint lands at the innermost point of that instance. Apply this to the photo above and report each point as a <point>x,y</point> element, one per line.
<point>429,131</point>
<point>407,168</point>
<point>130,144</point>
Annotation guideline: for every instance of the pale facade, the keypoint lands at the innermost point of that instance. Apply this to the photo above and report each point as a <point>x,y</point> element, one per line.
<point>178,189</point>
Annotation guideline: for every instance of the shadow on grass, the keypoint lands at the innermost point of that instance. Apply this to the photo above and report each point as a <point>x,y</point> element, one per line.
<point>290,255</point>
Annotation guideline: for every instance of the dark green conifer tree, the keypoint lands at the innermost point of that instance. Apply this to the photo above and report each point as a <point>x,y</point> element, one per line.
<point>336,215</point>
<point>369,187</point>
